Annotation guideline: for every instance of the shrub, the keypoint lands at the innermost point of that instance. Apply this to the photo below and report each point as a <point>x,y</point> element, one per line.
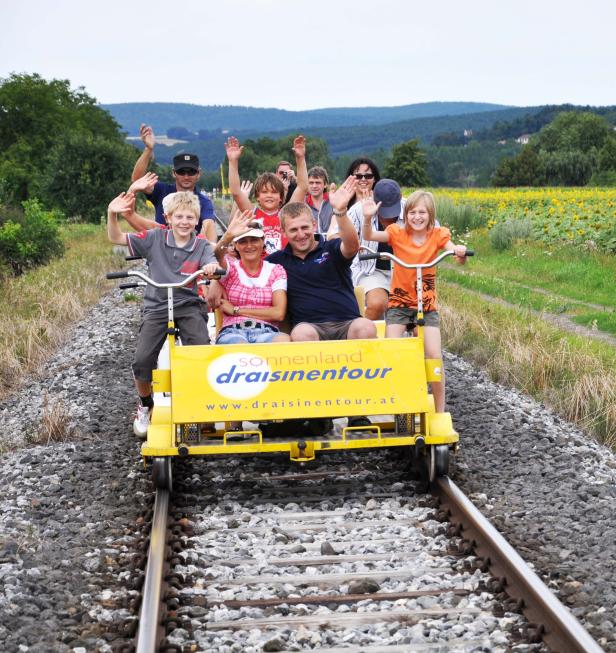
<point>460,218</point>
<point>504,234</point>
<point>29,238</point>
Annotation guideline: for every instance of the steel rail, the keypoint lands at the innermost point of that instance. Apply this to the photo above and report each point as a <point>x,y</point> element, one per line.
<point>558,628</point>
<point>148,635</point>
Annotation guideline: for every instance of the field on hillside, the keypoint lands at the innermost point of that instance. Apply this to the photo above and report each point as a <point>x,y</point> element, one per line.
<point>578,216</point>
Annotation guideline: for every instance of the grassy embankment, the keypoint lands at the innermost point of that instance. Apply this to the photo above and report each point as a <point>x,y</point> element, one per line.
<point>39,305</point>
<point>573,374</point>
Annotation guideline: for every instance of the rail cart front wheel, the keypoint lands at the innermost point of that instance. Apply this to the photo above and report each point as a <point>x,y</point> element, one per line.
<point>439,461</point>
<point>162,477</point>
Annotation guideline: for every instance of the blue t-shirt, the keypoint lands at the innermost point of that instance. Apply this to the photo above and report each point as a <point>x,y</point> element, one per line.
<point>319,287</point>
<point>162,189</point>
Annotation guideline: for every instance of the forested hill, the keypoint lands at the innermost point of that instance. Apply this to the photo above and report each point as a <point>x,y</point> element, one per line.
<point>165,115</point>
<point>361,139</point>
<point>369,138</point>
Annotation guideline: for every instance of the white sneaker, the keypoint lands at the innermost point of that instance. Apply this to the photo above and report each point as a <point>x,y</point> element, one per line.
<point>142,421</point>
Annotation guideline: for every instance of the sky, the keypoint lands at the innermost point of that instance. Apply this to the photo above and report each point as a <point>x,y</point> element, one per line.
<point>322,53</point>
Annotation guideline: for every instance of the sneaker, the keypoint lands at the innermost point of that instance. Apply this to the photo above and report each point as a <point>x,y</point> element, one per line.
<point>142,421</point>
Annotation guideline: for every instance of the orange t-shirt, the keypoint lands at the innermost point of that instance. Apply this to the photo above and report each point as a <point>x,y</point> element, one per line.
<point>403,291</point>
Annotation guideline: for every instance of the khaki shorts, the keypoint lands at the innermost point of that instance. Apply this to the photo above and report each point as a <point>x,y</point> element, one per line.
<point>331,330</point>
<point>378,279</point>
<point>408,317</point>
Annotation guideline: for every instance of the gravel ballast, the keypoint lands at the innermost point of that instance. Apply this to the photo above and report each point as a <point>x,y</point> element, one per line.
<point>72,512</point>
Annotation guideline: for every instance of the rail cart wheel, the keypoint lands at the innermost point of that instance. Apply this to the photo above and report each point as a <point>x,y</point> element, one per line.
<point>161,473</point>
<point>421,468</point>
<point>440,456</point>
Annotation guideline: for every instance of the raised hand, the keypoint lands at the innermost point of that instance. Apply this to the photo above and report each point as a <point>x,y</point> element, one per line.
<point>147,136</point>
<point>246,187</point>
<point>332,187</point>
<point>233,148</point>
<point>123,203</point>
<point>299,146</point>
<point>369,206</point>
<point>239,222</point>
<point>144,184</point>
<point>340,199</point>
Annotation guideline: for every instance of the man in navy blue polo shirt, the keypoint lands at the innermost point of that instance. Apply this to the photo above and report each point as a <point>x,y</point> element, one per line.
<point>321,300</point>
<point>186,172</point>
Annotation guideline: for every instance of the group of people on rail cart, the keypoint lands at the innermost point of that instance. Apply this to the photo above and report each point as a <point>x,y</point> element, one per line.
<point>291,257</point>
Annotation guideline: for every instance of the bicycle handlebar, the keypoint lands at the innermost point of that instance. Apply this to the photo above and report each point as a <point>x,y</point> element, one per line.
<point>219,272</point>
<point>410,266</point>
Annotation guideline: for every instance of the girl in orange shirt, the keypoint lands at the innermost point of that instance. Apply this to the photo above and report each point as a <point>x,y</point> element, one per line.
<point>418,241</point>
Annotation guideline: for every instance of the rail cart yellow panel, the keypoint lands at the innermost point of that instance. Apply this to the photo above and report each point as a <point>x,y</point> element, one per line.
<point>290,380</point>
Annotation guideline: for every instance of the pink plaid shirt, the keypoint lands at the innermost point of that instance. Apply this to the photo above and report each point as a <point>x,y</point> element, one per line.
<point>251,292</point>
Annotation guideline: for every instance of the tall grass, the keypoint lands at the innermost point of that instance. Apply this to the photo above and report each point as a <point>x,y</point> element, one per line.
<point>39,305</point>
<point>460,218</point>
<point>575,377</point>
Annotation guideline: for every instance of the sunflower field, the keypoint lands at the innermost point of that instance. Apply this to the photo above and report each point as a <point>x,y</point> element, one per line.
<point>578,216</point>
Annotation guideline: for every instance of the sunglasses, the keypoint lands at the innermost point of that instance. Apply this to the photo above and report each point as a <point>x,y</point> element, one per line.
<point>186,172</point>
<point>365,175</point>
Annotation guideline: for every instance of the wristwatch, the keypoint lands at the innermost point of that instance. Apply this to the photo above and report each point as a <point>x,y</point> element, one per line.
<point>236,310</point>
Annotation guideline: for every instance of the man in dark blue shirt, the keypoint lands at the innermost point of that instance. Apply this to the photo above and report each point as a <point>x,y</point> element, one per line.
<point>320,295</point>
<point>186,172</point>
<point>321,302</point>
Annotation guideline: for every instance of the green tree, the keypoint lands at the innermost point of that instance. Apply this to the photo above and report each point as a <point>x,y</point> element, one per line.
<point>407,165</point>
<point>85,172</point>
<point>607,154</point>
<point>574,131</point>
<point>568,151</point>
<point>35,115</point>
<point>526,169</point>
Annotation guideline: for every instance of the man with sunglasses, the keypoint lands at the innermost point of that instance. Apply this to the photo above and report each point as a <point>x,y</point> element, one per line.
<point>186,172</point>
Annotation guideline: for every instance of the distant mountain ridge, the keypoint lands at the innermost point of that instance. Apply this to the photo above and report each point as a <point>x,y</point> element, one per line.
<point>237,119</point>
<point>344,140</point>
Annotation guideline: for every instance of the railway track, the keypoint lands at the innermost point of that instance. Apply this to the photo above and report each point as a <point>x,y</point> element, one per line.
<point>255,556</point>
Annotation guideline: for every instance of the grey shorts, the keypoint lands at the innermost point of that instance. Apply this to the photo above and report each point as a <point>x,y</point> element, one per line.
<point>331,330</point>
<point>153,331</point>
<point>408,317</point>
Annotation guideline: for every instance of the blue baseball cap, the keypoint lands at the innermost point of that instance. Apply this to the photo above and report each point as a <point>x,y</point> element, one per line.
<point>387,191</point>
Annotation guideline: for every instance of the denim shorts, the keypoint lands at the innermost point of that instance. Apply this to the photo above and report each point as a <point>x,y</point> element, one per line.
<point>232,336</point>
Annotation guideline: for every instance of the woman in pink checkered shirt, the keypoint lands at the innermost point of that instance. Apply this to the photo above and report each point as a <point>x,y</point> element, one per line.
<point>255,299</point>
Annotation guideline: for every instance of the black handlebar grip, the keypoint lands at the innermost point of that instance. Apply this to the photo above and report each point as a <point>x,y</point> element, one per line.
<point>133,258</point>
<point>124,286</point>
<point>470,252</point>
<point>219,272</point>
<point>367,257</point>
<point>117,275</point>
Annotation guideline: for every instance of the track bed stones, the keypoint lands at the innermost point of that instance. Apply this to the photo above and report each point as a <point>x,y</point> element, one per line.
<point>312,569</point>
